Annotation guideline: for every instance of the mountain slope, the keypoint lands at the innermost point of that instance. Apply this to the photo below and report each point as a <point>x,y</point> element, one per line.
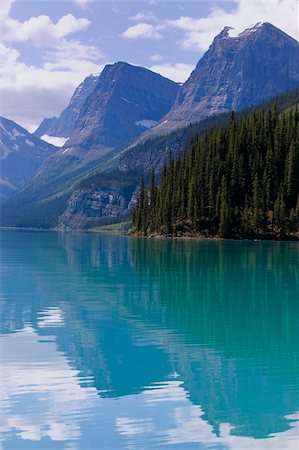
<point>63,125</point>
<point>237,181</point>
<point>237,71</point>
<point>126,101</point>
<point>88,204</point>
<point>21,155</point>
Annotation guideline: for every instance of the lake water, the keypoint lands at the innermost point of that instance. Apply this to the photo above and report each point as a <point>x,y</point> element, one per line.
<point>115,343</point>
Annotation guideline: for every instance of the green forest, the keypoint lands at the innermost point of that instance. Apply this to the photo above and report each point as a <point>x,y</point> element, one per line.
<point>238,181</point>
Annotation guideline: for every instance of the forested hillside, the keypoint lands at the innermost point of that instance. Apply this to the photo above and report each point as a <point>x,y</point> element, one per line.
<point>236,181</point>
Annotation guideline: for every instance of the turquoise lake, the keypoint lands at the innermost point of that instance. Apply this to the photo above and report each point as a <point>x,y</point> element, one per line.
<point>109,342</point>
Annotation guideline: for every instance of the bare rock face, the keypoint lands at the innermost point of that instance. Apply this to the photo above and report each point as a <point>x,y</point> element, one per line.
<point>238,70</point>
<point>21,155</point>
<point>64,125</point>
<point>127,101</point>
<point>85,207</point>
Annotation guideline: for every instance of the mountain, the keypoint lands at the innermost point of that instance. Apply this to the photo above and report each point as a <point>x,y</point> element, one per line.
<point>111,193</point>
<point>126,101</point>
<point>63,125</point>
<point>237,71</point>
<point>21,155</point>
<point>236,181</point>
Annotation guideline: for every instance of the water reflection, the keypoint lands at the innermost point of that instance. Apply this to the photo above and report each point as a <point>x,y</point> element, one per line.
<point>142,344</point>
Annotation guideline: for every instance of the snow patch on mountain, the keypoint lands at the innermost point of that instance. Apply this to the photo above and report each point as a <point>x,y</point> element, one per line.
<point>54,140</point>
<point>238,32</point>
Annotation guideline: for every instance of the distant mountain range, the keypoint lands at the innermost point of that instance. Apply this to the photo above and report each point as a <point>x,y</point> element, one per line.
<point>113,121</point>
<point>21,155</point>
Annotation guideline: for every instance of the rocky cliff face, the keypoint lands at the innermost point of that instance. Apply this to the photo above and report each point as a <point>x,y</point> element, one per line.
<point>86,207</point>
<point>64,125</point>
<point>127,101</point>
<point>238,70</point>
<point>21,155</point>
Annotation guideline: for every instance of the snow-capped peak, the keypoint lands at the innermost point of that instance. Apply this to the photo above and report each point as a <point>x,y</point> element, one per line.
<point>238,32</point>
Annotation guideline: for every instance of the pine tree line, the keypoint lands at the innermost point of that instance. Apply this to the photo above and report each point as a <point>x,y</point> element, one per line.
<point>240,180</point>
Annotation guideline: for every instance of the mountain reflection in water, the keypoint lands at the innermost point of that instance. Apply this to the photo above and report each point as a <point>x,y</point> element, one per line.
<point>111,342</point>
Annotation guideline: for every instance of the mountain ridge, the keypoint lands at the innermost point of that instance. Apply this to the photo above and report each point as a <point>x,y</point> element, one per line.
<point>63,125</point>
<point>110,117</point>
<point>223,78</point>
<point>63,173</point>
<point>21,155</point>
<point>82,210</point>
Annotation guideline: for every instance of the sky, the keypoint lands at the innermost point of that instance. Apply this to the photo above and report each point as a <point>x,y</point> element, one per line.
<point>48,47</point>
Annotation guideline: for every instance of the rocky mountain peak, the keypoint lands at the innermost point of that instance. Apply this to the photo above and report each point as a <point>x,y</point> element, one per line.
<point>253,31</point>
<point>241,68</point>
<point>126,101</point>
<point>231,32</point>
<point>63,125</point>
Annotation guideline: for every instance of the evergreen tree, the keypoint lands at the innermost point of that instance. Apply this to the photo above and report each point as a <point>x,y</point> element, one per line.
<point>292,170</point>
<point>279,209</point>
<point>224,210</point>
<point>236,180</point>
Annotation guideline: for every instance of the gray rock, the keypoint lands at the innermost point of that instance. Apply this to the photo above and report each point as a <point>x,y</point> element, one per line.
<point>64,125</point>
<point>236,72</point>
<point>21,155</point>
<point>126,101</point>
<point>84,207</point>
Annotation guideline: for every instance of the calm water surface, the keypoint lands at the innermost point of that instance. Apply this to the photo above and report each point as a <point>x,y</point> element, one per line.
<point>115,343</point>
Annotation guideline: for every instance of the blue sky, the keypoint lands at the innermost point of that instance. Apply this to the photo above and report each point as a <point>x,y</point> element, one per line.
<point>49,47</point>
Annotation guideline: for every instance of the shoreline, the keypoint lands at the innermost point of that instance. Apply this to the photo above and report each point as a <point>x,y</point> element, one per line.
<point>273,238</point>
<point>199,237</point>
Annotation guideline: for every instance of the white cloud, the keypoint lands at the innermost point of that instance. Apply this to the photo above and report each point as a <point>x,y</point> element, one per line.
<point>156,58</point>
<point>5,9</point>
<point>177,72</point>
<point>199,33</point>
<point>143,30</point>
<point>83,3</point>
<point>74,56</point>
<point>144,15</point>
<point>40,30</point>
<point>28,92</point>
